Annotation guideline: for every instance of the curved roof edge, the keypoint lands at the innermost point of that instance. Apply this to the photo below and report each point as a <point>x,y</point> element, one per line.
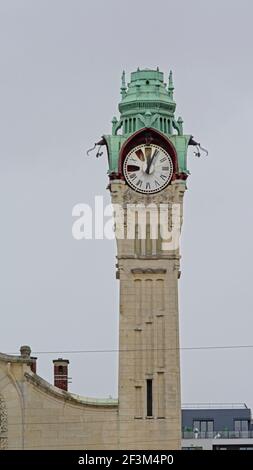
<point>12,358</point>
<point>70,397</point>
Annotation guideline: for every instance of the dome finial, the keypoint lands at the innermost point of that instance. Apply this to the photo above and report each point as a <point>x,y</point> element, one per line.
<point>171,85</point>
<point>123,84</point>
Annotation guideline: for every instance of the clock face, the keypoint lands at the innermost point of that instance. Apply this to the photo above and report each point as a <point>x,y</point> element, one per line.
<point>148,168</point>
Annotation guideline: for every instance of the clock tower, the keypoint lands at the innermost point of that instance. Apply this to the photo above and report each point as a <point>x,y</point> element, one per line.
<point>147,170</point>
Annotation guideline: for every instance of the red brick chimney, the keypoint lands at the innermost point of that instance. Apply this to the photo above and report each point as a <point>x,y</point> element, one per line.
<point>61,373</point>
<point>34,364</point>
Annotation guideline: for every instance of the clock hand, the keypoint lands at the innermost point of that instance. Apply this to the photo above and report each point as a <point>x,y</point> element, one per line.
<point>148,153</point>
<point>151,160</point>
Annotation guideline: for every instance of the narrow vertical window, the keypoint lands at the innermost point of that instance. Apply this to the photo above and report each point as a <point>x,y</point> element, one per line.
<point>137,241</point>
<point>148,241</point>
<point>149,398</point>
<point>159,240</point>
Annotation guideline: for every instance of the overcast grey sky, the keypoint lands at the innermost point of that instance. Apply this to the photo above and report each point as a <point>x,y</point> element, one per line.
<point>61,63</point>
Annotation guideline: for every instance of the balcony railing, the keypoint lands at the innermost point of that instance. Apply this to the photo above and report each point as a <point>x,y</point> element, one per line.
<point>218,435</point>
<point>214,406</point>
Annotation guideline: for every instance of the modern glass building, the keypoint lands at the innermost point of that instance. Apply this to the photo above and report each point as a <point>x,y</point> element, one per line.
<point>217,426</point>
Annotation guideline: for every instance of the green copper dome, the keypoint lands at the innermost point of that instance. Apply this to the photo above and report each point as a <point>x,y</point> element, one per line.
<point>147,92</point>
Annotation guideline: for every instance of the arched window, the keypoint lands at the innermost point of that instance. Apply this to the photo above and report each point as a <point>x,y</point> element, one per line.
<point>3,424</point>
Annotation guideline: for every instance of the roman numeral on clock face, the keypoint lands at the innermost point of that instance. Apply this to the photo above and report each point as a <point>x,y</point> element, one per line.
<point>165,168</point>
<point>139,183</point>
<point>148,186</point>
<point>133,176</point>
<point>163,159</point>
<point>163,177</point>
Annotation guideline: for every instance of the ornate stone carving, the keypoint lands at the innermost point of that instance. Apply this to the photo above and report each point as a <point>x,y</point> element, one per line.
<point>3,424</point>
